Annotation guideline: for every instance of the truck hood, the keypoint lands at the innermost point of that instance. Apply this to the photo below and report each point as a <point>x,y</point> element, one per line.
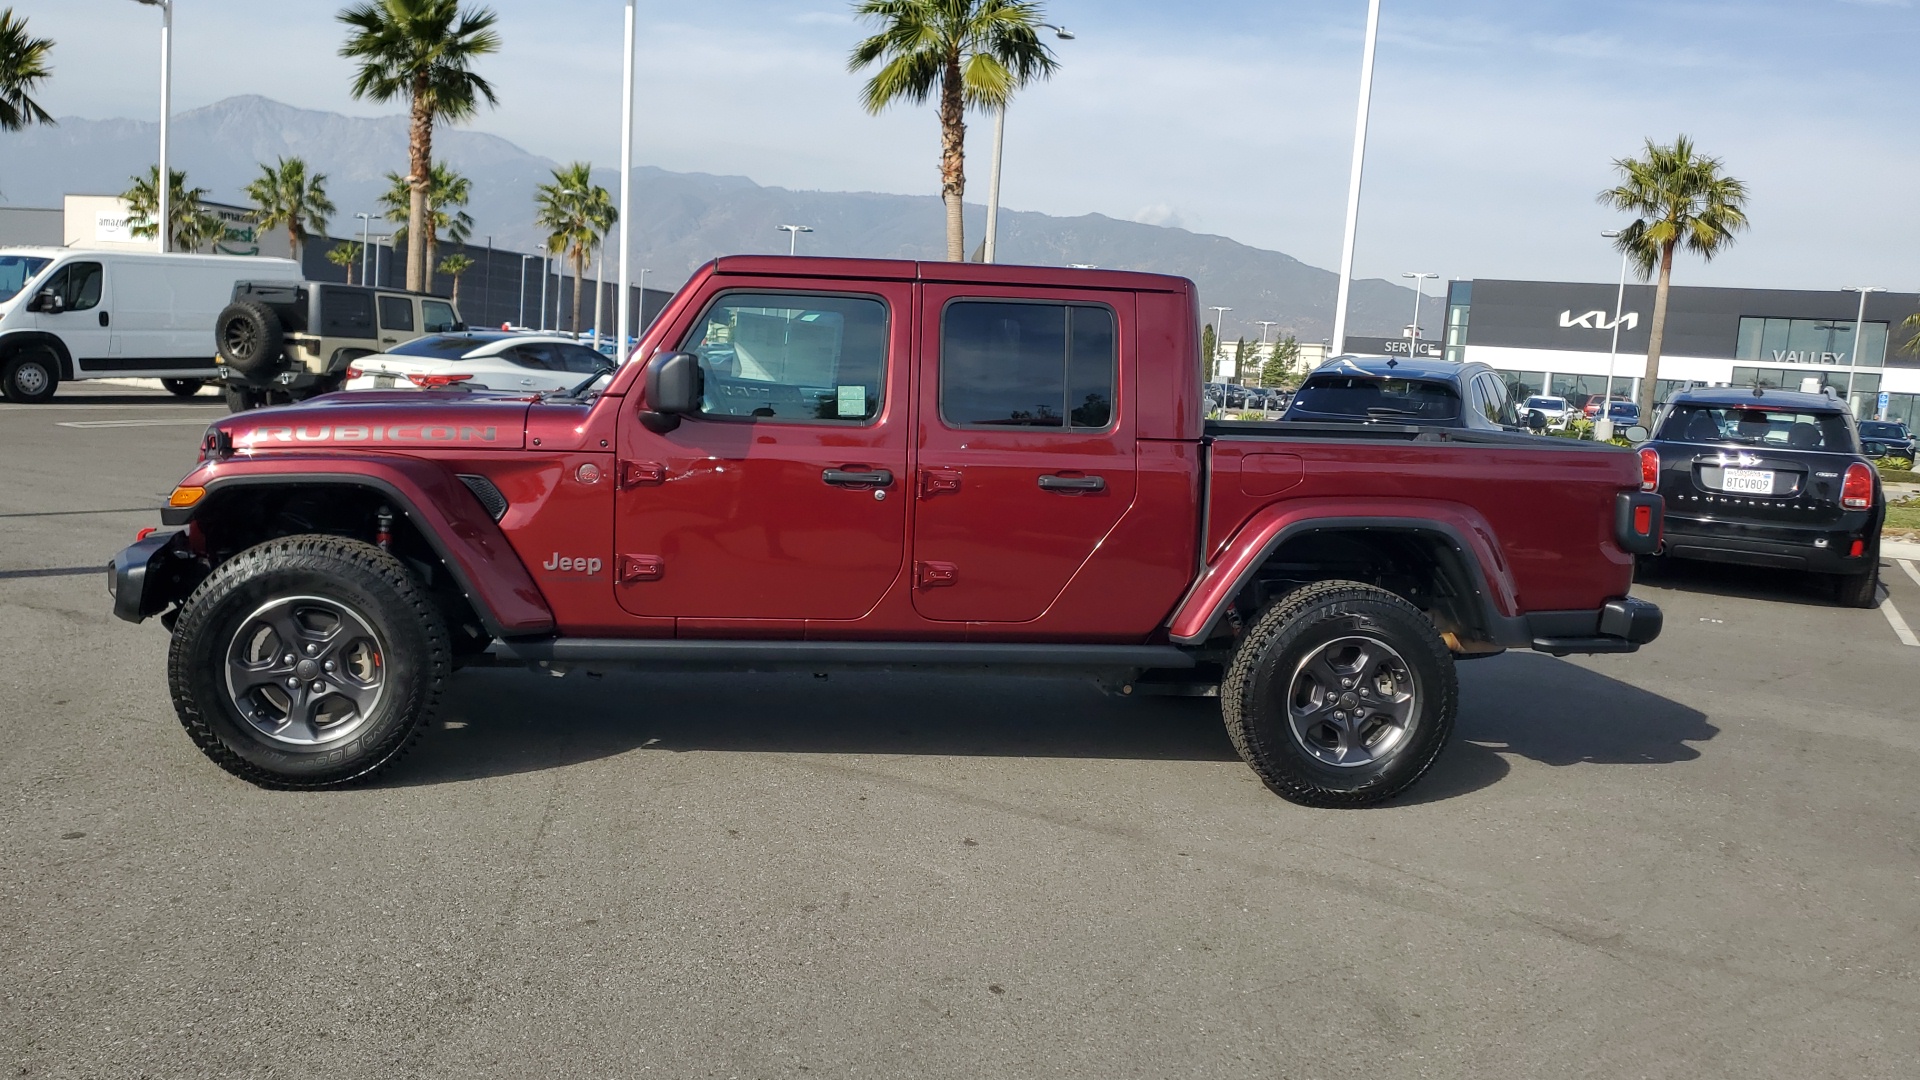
<point>377,421</point>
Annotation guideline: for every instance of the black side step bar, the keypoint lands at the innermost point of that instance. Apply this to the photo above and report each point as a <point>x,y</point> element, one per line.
<point>683,654</point>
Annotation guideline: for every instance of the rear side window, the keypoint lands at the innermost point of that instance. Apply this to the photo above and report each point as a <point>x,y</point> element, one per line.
<point>396,313</point>
<point>1784,429</point>
<point>440,348</point>
<point>582,360</point>
<point>794,357</point>
<point>436,317</point>
<point>1358,397</point>
<point>1027,365</point>
<point>346,312</point>
<point>539,355</point>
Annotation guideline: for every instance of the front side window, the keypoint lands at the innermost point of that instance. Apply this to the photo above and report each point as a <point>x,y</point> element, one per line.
<point>396,313</point>
<point>16,271</point>
<point>436,317</point>
<point>792,356</point>
<point>1755,426</point>
<point>1027,365</point>
<point>78,285</point>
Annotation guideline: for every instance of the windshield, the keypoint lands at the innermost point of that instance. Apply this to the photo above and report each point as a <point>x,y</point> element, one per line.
<point>1377,399</point>
<point>1784,429</point>
<point>16,271</point>
<point>439,348</point>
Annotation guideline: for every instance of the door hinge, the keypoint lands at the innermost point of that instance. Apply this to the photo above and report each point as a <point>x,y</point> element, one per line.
<point>938,482</point>
<point>642,473</point>
<point>641,568</point>
<point>935,575</point>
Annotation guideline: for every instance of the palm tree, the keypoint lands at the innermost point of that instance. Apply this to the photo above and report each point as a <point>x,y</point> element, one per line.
<point>285,195</point>
<point>576,213</point>
<point>446,189</point>
<point>453,266</point>
<point>23,66</point>
<point>346,254</point>
<point>421,50</point>
<point>1682,199</point>
<point>194,226</point>
<point>972,52</point>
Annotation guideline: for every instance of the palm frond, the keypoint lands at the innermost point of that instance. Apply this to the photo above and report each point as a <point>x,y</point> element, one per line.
<point>23,67</point>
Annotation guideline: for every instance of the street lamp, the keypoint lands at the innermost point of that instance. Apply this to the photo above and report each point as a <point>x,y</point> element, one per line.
<point>991,250</point>
<point>164,182</point>
<point>624,321</point>
<point>1219,319</point>
<point>1353,181</point>
<point>366,230</point>
<point>793,236</point>
<point>1859,331</point>
<point>1603,422</point>
<point>1419,297</point>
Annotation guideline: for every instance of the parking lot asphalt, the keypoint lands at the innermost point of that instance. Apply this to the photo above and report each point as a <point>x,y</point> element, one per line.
<point>1696,861</point>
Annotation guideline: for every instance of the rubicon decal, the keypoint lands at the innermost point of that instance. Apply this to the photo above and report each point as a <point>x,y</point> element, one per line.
<point>569,565</point>
<point>366,433</point>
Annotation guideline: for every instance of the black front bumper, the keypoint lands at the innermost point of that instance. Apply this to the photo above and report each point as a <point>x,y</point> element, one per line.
<point>152,574</point>
<point>1824,549</point>
<point>1621,626</point>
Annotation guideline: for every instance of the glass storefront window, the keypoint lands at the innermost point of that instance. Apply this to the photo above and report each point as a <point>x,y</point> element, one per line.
<point>1523,384</point>
<point>1811,341</point>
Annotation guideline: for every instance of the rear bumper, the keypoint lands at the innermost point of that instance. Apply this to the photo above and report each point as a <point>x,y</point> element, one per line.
<point>1824,549</point>
<point>1620,626</point>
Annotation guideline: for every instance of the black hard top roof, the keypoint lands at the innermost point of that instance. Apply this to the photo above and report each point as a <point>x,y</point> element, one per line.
<point>1395,367</point>
<point>1734,396</point>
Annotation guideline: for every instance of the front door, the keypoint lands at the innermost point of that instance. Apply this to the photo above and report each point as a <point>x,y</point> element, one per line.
<point>84,321</point>
<point>1026,452</point>
<point>785,497</point>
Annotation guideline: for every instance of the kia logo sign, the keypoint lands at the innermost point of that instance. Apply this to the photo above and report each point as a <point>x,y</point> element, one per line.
<point>1597,320</point>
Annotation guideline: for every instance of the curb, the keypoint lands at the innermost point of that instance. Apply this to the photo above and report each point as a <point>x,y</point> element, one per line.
<point>1899,549</point>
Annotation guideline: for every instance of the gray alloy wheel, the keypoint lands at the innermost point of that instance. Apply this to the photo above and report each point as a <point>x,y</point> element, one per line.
<point>305,670</point>
<point>1352,702</point>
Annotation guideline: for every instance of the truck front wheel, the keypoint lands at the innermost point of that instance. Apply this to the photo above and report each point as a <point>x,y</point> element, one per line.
<point>1340,694</point>
<point>307,662</point>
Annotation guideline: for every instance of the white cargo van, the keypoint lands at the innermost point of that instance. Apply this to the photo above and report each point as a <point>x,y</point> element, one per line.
<point>72,314</point>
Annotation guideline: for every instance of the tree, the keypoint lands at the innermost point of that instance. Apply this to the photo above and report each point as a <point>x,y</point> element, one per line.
<point>347,254</point>
<point>194,226</point>
<point>576,213</point>
<point>23,67</point>
<point>1242,353</point>
<point>284,195</point>
<point>1278,370</point>
<point>447,192</point>
<point>1210,349</point>
<point>971,52</point>
<point>1682,199</point>
<point>453,266</point>
<point>420,50</point>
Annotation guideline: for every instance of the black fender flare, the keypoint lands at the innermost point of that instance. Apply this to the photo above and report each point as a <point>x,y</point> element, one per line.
<point>18,338</point>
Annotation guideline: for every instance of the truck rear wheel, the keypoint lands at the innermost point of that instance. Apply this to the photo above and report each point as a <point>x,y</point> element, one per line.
<point>308,662</point>
<point>1340,694</point>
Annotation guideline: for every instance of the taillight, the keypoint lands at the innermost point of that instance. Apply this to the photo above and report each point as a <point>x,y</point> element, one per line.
<point>1856,491</point>
<point>436,382</point>
<point>1649,468</point>
<point>354,372</point>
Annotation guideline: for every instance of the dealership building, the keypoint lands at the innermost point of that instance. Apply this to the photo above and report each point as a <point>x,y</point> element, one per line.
<point>1557,337</point>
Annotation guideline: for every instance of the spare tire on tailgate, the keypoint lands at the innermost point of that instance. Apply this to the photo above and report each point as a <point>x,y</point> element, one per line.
<point>248,336</point>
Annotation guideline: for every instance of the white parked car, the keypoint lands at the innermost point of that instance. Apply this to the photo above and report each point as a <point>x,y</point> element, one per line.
<point>479,360</point>
<point>1553,408</point>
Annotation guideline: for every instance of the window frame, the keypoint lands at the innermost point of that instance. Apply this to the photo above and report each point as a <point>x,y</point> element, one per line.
<point>1065,429</point>
<point>886,360</point>
<point>453,317</point>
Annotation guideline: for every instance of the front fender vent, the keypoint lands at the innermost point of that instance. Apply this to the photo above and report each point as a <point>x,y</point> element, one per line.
<point>489,495</point>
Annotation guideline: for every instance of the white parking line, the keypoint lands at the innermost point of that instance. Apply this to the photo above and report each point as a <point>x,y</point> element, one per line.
<point>1907,565</point>
<point>1900,627</point>
<point>128,423</point>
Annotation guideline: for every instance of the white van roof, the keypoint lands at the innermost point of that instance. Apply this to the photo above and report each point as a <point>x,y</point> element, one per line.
<point>266,262</point>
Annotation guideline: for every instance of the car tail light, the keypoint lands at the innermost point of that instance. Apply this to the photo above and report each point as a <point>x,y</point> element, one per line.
<point>1858,549</point>
<point>435,382</point>
<point>1649,468</point>
<point>354,372</point>
<point>1856,491</point>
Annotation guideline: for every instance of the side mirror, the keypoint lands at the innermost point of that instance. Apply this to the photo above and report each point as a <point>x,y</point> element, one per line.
<point>1636,434</point>
<point>1536,421</point>
<point>674,389</point>
<point>47,301</point>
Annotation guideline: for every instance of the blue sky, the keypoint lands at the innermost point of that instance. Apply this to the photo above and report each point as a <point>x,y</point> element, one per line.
<point>1494,121</point>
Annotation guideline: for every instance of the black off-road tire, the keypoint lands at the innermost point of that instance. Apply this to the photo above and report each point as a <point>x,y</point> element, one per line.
<point>1276,651</point>
<point>30,375</point>
<point>183,387</point>
<point>414,659</point>
<point>1857,590</point>
<point>248,336</point>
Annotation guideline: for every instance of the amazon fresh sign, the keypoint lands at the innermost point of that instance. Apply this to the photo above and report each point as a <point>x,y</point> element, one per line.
<point>1597,320</point>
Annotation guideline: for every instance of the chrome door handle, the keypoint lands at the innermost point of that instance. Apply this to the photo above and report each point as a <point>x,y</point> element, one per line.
<point>1073,483</point>
<point>857,478</point>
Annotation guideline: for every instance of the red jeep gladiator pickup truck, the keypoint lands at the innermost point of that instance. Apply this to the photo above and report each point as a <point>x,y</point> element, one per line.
<point>823,464</point>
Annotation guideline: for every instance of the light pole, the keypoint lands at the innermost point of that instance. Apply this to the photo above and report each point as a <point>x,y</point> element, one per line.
<point>164,182</point>
<point>546,274</point>
<point>1603,423</point>
<point>1219,320</point>
<point>1353,181</point>
<point>793,236</point>
<point>992,248</point>
<point>1859,331</point>
<point>366,230</point>
<point>1419,297</point>
<point>599,291</point>
<point>524,260</point>
<point>623,320</point>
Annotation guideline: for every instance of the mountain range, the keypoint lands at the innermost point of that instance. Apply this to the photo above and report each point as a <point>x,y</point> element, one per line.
<point>682,219</point>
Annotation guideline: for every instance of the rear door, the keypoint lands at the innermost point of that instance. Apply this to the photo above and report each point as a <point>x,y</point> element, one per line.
<point>1026,449</point>
<point>1755,464</point>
